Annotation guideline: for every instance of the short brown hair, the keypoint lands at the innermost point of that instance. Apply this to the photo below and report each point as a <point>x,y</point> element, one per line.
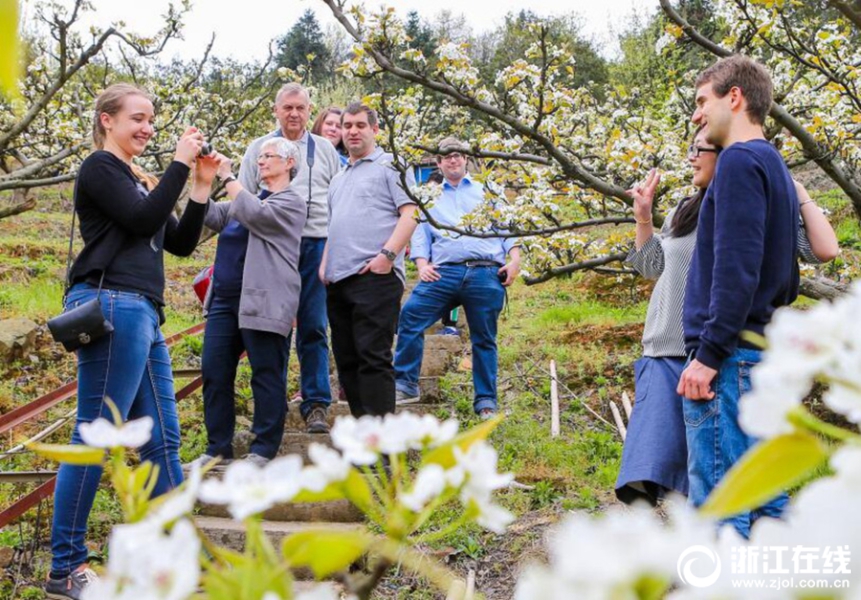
<point>746,74</point>
<point>355,108</point>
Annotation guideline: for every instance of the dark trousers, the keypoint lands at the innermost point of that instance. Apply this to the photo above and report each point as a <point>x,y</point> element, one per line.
<point>363,315</point>
<point>223,344</point>
<point>312,338</point>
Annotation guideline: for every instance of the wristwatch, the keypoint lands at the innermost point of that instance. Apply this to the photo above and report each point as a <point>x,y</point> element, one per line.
<point>389,254</point>
<point>228,179</point>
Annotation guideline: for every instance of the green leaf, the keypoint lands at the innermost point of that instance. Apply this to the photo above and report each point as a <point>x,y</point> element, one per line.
<point>69,454</point>
<point>767,469</point>
<point>357,490</point>
<point>325,551</point>
<point>9,47</point>
<point>444,455</point>
<point>331,492</point>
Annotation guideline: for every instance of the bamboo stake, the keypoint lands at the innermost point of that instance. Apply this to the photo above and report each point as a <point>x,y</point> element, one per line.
<point>554,401</point>
<point>617,416</point>
<point>626,404</point>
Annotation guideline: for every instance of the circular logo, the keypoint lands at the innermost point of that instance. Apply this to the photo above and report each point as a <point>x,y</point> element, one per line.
<point>687,560</point>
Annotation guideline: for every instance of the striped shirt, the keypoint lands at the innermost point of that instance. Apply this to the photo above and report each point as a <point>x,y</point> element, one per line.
<point>668,259</point>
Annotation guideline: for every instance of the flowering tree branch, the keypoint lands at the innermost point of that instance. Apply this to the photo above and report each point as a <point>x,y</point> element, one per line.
<point>812,148</point>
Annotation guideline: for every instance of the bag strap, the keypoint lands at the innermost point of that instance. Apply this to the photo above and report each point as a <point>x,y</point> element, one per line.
<point>68,282</point>
<point>312,146</point>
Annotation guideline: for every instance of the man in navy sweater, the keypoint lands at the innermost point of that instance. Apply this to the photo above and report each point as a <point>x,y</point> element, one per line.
<point>744,268</point>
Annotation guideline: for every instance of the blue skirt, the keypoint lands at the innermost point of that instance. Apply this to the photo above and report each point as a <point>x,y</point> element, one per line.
<point>654,460</point>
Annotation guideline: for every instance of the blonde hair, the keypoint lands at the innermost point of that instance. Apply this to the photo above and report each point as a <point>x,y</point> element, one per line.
<point>111,102</point>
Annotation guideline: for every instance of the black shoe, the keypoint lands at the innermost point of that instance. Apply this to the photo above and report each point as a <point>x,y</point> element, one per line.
<point>72,586</point>
<point>316,421</point>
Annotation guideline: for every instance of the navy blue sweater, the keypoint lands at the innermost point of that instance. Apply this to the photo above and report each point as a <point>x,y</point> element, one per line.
<point>744,265</point>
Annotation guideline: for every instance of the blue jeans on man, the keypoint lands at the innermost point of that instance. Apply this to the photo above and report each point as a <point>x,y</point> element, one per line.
<point>479,291</point>
<point>312,342</point>
<point>131,366</point>
<point>716,441</point>
<point>223,345</point>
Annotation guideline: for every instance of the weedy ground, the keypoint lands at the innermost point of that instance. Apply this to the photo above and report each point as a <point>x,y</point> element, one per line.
<point>589,324</point>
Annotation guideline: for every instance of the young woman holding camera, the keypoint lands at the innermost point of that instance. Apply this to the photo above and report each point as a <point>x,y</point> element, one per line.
<point>127,222</point>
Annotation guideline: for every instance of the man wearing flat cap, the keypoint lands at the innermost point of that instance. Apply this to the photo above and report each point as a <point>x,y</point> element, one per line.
<point>454,270</point>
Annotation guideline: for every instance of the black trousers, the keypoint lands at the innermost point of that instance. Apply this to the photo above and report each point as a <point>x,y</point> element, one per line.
<point>363,315</point>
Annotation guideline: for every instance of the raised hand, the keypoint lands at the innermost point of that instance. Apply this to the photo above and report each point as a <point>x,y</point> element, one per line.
<point>644,195</point>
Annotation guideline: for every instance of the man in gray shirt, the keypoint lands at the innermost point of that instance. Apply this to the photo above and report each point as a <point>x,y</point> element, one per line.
<point>319,163</point>
<point>372,219</point>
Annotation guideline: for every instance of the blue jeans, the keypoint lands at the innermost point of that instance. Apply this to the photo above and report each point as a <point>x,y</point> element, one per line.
<point>312,345</point>
<point>482,296</point>
<point>223,344</point>
<point>131,366</point>
<point>716,441</point>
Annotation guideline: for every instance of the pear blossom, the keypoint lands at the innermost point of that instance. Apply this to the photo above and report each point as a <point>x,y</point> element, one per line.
<point>328,466</point>
<point>247,489</point>
<point>429,484</point>
<point>101,433</point>
<point>146,564</point>
<point>179,502</point>
<point>358,439</point>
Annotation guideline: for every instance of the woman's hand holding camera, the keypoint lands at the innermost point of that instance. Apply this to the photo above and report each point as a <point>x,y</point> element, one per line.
<point>189,145</point>
<point>225,166</point>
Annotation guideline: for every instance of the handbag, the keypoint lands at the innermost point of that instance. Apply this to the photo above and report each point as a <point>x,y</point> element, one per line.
<point>202,282</point>
<point>85,323</point>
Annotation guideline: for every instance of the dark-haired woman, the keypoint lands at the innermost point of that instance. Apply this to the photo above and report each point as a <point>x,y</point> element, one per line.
<point>654,460</point>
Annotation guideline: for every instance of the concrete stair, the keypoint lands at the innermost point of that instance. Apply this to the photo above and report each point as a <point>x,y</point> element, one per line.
<point>441,353</point>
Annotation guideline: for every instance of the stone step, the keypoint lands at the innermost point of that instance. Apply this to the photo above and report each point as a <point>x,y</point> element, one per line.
<point>230,534</point>
<point>337,511</point>
<point>340,409</point>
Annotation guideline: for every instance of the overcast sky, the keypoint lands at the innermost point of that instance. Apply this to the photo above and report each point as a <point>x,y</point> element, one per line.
<point>244,28</point>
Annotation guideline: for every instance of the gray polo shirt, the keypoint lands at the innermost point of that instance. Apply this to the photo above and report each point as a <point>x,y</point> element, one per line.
<point>364,200</point>
<point>327,163</point>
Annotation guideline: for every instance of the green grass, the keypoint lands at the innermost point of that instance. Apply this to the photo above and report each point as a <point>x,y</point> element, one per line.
<point>39,298</point>
<point>591,312</point>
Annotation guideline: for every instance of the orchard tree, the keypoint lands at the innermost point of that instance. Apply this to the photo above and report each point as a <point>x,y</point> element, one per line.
<point>560,155</point>
<point>45,131</point>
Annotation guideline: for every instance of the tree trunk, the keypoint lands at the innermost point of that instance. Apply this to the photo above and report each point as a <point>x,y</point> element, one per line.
<point>16,209</point>
<point>820,288</point>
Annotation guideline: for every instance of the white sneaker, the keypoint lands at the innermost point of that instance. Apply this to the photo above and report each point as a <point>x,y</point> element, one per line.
<point>256,459</point>
<point>402,398</point>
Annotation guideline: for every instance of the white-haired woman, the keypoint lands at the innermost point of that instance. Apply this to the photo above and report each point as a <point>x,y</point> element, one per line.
<point>252,301</point>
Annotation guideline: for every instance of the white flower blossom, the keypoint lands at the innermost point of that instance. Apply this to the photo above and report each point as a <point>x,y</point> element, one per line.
<point>146,564</point>
<point>247,489</point>
<point>328,466</point>
<point>101,433</point>
<point>429,484</point>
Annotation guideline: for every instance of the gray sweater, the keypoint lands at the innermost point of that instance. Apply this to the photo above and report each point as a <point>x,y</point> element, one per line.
<point>270,278</point>
<point>327,163</point>
<point>668,259</point>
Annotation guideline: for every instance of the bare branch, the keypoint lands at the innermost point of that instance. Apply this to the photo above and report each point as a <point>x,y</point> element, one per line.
<point>34,167</point>
<point>16,209</point>
<point>581,266</point>
<point>34,183</point>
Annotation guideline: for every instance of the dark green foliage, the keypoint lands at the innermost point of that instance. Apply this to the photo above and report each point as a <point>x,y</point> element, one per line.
<point>305,38</point>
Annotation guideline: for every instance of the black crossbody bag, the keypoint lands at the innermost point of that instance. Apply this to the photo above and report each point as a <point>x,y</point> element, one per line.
<point>86,323</point>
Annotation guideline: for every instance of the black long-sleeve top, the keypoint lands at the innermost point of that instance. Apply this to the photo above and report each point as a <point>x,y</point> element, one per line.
<point>128,228</point>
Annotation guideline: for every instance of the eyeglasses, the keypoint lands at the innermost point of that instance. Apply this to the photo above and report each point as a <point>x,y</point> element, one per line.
<point>695,151</point>
<point>268,155</point>
<point>452,156</point>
